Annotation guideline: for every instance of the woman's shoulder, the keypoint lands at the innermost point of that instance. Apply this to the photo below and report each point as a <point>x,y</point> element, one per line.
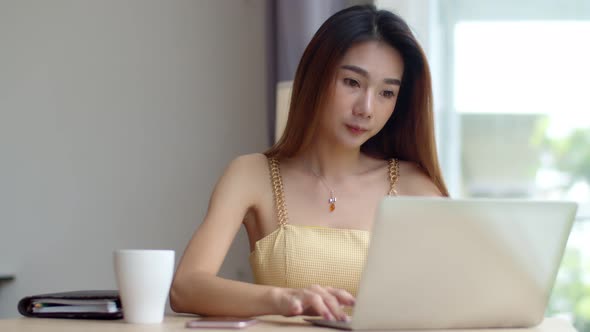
<point>250,159</point>
<point>414,181</point>
<point>243,177</point>
<point>248,165</point>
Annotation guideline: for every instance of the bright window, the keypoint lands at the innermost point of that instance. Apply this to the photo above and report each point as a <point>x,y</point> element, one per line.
<point>521,94</point>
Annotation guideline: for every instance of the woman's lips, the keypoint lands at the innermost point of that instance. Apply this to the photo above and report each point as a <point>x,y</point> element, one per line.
<point>356,130</point>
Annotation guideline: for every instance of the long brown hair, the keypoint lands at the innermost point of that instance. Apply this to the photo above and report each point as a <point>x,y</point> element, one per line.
<point>409,132</point>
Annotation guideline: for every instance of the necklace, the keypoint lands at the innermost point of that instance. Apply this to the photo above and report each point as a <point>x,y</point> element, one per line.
<point>332,199</point>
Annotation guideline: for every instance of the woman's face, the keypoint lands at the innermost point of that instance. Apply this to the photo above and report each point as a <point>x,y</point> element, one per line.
<point>363,93</point>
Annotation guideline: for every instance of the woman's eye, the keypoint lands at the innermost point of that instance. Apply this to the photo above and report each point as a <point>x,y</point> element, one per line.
<point>351,82</point>
<point>388,94</point>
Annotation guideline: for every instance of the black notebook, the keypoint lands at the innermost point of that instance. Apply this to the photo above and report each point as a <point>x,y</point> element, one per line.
<point>86,304</point>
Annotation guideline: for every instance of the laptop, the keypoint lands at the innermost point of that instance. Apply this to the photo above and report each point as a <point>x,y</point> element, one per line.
<point>439,263</point>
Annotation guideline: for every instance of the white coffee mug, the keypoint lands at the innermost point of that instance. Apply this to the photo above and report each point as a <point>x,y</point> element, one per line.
<point>144,278</point>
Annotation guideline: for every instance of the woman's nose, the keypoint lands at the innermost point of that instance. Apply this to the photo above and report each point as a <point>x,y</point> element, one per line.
<point>364,105</point>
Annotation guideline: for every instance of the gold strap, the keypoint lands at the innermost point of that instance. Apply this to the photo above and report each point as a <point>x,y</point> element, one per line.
<point>393,175</point>
<point>277,185</point>
<point>278,189</point>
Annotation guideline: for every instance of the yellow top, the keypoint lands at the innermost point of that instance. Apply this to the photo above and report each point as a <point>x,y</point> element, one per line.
<point>296,256</point>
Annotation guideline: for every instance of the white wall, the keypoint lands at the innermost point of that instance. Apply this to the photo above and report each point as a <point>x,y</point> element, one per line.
<point>116,119</point>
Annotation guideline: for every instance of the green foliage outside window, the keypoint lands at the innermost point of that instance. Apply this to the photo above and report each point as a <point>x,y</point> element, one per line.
<point>570,155</point>
<point>571,293</point>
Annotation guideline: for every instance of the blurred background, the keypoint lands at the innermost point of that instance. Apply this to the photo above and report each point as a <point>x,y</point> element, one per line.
<point>117,118</point>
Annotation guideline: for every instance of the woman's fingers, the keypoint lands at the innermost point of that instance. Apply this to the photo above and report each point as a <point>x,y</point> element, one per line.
<point>288,301</point>
<point>295,306</point>
<point>315,300</point>
<point>330,301</point>
<point>327,302</point>
<point>343,296</point>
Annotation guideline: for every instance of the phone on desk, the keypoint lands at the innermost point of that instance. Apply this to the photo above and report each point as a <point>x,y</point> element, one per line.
<point>221,322</point>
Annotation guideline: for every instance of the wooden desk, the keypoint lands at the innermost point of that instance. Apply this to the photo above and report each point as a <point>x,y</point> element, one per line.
<point>176,323</point>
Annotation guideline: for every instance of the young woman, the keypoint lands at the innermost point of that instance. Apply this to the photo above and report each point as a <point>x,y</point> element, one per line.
<point>360,127</point>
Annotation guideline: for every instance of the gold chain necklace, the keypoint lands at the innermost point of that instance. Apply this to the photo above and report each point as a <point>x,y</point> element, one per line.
<point>332,199</point>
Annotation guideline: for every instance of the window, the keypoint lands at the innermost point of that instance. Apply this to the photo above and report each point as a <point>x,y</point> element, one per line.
<point>519,96</point>
<point>512,113</point>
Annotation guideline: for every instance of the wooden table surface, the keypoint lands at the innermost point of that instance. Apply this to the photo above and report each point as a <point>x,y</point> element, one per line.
<point>177,322</point>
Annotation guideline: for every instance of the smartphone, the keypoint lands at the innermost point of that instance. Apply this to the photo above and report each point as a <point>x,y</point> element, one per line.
<point>221,322</point>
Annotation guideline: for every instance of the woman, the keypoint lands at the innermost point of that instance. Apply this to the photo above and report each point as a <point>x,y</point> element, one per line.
<point>360,127</point>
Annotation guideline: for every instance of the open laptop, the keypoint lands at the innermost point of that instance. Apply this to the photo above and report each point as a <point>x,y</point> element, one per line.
<point>438,263</point>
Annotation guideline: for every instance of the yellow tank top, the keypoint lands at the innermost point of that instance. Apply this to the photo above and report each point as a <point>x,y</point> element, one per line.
<point>296,256</point>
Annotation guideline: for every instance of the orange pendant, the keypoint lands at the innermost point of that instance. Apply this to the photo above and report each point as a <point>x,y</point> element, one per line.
<point>332,202</point>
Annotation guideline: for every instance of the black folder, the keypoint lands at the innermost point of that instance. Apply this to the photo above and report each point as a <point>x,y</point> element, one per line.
<point>84,304</point>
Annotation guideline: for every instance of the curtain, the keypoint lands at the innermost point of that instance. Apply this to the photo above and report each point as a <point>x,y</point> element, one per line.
<point>291,27</point>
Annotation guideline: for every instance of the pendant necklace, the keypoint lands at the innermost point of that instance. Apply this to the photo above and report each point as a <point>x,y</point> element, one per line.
<point>332,199</point>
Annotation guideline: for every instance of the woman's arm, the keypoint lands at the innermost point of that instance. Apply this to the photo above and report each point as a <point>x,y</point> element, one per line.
<point>196,287</point>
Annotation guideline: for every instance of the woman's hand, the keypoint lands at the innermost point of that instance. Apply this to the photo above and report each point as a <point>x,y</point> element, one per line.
<point>315,300</point>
